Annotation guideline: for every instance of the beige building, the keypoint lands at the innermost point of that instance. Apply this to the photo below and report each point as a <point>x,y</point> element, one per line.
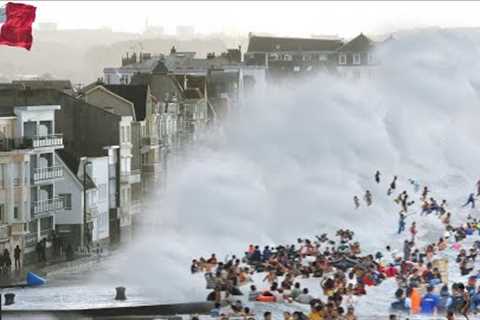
<point>130,170</point>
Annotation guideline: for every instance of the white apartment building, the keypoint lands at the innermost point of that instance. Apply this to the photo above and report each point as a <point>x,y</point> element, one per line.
<point>28,175</point>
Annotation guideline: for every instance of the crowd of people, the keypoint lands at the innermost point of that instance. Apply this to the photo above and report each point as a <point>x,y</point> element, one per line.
<point>345,273</point>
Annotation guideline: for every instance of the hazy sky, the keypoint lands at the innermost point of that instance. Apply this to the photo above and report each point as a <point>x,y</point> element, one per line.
<point>287,18</point>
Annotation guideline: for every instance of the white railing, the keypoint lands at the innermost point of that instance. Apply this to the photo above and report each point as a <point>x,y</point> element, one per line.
<point>48,173</point>
<point>4,232</point>
<point>48,205</point>
<point>136,207</point>
<point>50,140</point>
<point>31,239</point>
<point>45,233</point>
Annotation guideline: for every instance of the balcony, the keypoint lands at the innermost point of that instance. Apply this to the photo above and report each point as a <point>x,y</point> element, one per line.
<point>131,177</point>
<point>51,140</point>
<point>136,207</point>
<point>152,167</point>
<point>7,145</point>
<point>47,173</point>
<point>30,239</point>
<point>92,213</point>
<point>17,229</point>
<point>150,141</point>
<point>46,206</point>
<point>4,232</point>
<point>45,233</point>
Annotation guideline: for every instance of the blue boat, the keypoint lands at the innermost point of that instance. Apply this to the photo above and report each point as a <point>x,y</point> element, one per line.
<point>35,280</point>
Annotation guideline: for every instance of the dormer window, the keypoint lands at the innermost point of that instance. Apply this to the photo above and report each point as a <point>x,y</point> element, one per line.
<point>342,59</point>
<point>356,58</point>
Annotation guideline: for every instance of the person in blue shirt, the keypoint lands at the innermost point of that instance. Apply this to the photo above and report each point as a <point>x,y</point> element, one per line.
<point>430,302</point>
<point>215,312</point>
<point>266,253</point>
<point>401,223</point>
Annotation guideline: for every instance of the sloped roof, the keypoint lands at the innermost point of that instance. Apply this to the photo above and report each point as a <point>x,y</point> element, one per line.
<point>115,110</point>
<point>270,44</point>
<point>160,84</point>
<point>7,111</point>
<point>160,68</point>
<point>136,93</point>
<point>358,44</point>
<point>72,165</point>
<point>12,97</point>
<point>60,85</point>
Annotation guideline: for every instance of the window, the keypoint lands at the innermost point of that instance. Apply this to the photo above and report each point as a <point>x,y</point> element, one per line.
<point>2,213</point>
<point>2,166</point>
<point>102,191</point>
<point>15,212</point>
<point>67,200</point>
<point>356,58</point>
<point>26,172</point>
<point>122,134</point>
<point>342,59</point>
<point>296,69</point>
<point>370,58</point>
<point>322,57</point>
<point>128,134</point>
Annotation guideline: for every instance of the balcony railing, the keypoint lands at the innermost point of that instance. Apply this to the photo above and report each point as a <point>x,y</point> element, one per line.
<point>92,212</point>
<point>47,173</point>
<point>31,239</point>
<point>15,144</point>
<point>50,140</point>
<point>45,233</point>
<point>44,206</point>
<point>150,141</point>
<point>4,232</point>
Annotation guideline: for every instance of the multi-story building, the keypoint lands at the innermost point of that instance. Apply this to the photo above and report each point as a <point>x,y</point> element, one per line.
<point>290,57</point>
<point>72,225</point>
<point>147,116</point>
<point>356,58</point>
<point>30,172</point>
<point>226,74</point>
<point>129,152</point>
<point>87,131</point>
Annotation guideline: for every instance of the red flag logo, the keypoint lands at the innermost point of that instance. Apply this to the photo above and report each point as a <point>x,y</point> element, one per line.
<point>17,29</point>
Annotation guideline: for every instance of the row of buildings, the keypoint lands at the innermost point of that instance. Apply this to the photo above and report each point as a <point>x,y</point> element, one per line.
<point>76,165</point>
<point>267,60</point>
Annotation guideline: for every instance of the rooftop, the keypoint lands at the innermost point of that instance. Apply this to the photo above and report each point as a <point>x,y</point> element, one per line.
<point>135,93</point>
<point>270,44</point>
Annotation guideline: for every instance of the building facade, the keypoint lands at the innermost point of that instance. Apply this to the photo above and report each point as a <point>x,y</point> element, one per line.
<point>30,173</point>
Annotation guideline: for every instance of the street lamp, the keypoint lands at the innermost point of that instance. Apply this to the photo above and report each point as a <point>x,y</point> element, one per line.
<point>84,230</point>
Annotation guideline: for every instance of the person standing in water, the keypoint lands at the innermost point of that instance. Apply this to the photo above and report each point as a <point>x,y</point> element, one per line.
<point>356,202</point>
<point>470,200</point>
<point>377,176</point>
<point>401,223</point>
<point>368,198</point>
<point>425,193</point>
<point>413,231</point>
<point>404,201</point>
<point>393,186</point>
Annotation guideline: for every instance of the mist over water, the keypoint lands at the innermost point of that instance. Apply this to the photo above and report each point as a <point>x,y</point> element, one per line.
<point>289,162</point>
